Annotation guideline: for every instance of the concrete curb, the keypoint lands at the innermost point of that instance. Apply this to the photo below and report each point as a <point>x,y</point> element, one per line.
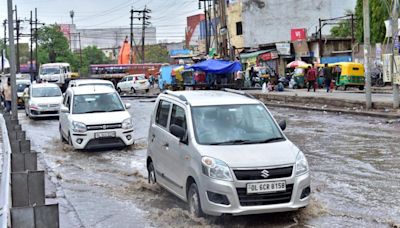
<point>6,176</point>
<point>336,110</point>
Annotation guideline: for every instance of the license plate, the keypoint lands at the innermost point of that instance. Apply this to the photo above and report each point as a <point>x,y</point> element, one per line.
<point>266,187</point>
<point>104,134</point>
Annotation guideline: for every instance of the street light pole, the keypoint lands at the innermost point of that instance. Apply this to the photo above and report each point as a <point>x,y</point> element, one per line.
<point>395,37</point>
<point>367,48</point>
<point>12,61</point>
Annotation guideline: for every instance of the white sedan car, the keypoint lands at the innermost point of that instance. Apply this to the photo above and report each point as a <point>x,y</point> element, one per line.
<point>44,100</point>
<point>90,82</point>
<point>94,117</point>
<point>133,83</point>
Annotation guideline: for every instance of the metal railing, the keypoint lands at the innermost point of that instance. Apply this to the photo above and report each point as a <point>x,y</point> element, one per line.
<point>5,177</point>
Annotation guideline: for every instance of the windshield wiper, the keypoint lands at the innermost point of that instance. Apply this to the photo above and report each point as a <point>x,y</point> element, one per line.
<point>232,142</point>
<point>116,110</point>
<point>95,111</point>
<point>275,139</point>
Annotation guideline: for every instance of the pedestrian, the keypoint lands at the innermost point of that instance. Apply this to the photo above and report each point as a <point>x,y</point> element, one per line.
<point>311,77</point>
<point>328,77</point>
<point>151,80</point>
<point>6,92</point>
<point>239,79</point>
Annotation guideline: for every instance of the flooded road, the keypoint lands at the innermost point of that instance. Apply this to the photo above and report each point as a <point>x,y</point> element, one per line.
<point>354,164</point>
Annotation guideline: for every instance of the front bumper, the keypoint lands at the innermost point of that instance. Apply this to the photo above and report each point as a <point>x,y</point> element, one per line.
<point>89,141</point>
<point>44,113</point>
<point>230,190</point>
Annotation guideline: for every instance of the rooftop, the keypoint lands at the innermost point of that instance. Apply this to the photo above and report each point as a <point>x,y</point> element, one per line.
<point>96,89</point>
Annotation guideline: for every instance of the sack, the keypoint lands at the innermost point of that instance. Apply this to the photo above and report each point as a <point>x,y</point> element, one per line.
<point>264,88</point>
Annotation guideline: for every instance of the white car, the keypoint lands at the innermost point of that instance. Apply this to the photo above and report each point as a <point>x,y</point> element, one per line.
<point>44,100</point>
<point>94,117</point>
<point>133,83</point>
<point>22,84</point>
<point>90,82</point>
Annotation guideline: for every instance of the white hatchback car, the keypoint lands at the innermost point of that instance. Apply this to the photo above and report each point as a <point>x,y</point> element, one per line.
<point>90,82</point>
<point>133,83</point>
<point>94,117</point>
<point>44,100</point>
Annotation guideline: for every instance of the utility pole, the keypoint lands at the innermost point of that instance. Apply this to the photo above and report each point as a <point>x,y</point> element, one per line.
<point>131,47</point>
<point>17,24</point>
<point>71,14</point>
<point>80,53</point>
<point>14,110</point>
<point>5,46</point>
<point>222,4</point>
<point>367,49</point>
<point>144,19</point>
<point>36,46</point>
<point>395,37</point>
<point>31,49</point>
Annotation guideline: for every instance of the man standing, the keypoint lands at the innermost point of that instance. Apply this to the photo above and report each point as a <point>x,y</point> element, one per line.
<point>239,79</point>
<point>311,77</point>
<point>328,77</point>
<point>6,92</point>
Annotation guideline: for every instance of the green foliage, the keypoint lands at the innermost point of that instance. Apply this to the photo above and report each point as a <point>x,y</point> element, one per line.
<point>379,12</point>
<point>54,43</point>
<point>156,54</point>
<point>343,29</point>
<point>94,55</point>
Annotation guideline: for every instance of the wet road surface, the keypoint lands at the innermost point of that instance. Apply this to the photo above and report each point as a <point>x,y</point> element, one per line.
<point>353,161</point>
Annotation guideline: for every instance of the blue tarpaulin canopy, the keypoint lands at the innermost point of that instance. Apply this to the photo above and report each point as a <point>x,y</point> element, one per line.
<point>217,66</point>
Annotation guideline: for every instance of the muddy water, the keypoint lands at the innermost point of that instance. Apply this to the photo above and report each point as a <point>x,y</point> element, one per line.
<point>354,163</point>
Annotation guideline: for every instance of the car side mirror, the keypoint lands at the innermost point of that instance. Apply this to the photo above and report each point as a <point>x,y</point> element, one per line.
<point>127,105</point>
<point>282,124</point>
<point>64,109</point>
<point>178,132</point>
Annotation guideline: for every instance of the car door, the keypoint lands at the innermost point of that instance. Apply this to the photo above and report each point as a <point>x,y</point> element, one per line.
<point>158,142</point>
<point>64,116</point>
<point>177,154</point>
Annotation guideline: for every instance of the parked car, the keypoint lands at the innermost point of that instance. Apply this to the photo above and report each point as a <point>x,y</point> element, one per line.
<point>133,83</point>
<point>90,82</point>
<point>43,100</point>
<point>22,84</point>
<point>224,153</point>
<point>94,117</point>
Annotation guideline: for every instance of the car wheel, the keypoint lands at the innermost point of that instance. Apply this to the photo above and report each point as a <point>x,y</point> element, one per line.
<point>194,201</point>
<point>133,90</point>
<point>151,173</point>
<point>119,90</point>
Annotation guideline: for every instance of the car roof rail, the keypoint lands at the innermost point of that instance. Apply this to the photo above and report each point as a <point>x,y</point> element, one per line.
<point>180,97</point>
<point>238,92</point>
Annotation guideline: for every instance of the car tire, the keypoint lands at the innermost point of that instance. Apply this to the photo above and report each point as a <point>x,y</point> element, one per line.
<point>151,173</point>
<point>133,90</point>
<point>119,90</point>
<point>194,201</point>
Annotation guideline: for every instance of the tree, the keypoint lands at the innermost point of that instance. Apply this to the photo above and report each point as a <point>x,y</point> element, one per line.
<point>156,54</point>
<point>53,45</point>
<point>94,55</point>
<point>343,29</point>
<point>379,12</point>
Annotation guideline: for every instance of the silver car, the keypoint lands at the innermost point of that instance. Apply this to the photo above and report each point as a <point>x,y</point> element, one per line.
<point>224,153</point>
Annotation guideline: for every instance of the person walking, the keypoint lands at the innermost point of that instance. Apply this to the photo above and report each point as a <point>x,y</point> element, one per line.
<point>311,77</point>
<point>6,92</point>
<point>328,77</point>
<point>239,79</point>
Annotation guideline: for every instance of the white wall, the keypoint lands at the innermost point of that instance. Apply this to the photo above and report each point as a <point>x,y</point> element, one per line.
<point>270,21</point>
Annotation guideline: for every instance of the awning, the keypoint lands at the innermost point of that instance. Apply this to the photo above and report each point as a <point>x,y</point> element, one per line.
<point>253,54</point>
<point>217,66</point>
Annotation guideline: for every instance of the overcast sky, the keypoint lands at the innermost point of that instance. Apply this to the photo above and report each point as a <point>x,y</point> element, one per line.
<point>168,16</point>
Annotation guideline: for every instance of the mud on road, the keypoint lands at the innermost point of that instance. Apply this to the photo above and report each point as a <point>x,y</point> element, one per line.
<point>353,161</point>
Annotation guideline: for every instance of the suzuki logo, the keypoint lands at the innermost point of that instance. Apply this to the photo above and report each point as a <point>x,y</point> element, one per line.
<point>265,173</point>
<point>104,127</point>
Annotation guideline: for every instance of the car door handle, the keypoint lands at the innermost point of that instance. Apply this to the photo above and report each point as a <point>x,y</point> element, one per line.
<point>153,137</point>
<point>166,145</point>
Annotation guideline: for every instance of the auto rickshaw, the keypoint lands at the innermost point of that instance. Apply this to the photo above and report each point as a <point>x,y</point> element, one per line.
<point>351,75</point>
<point>299,76</point>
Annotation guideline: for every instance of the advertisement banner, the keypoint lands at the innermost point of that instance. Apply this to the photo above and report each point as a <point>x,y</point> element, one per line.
<point>298,34</point>
<point>66,30</point>
<point>396,75</point>
<point>387,73</point>
<point>283,48</point>
<point>301,48</point>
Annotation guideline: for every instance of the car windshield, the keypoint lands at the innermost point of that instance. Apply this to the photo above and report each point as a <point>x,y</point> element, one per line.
<point>46,92</point>
<point>140,78</point>
<point>21,87</point>
<point>92,103</point>
<point>50,70</point>
<point>234,124</point>
<point>99,84</point>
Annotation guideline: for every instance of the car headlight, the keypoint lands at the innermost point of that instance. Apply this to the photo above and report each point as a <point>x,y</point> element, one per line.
<point>127,124</point>
<point>78,127</point>
<point>216,169</point>
<point>301,164</point>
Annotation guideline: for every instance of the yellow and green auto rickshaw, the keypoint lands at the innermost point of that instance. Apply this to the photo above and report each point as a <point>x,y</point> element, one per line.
<point>299,76</point>
<point>351,75</point>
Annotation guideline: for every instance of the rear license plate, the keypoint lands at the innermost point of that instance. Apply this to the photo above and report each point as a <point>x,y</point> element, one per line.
<point>104,134</point>
<point>266,187</point>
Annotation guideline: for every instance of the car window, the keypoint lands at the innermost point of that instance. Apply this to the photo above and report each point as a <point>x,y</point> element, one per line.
<point>130,78</point>
<point>46,92</point>
<point>178,116</point>
<point>162,113</point>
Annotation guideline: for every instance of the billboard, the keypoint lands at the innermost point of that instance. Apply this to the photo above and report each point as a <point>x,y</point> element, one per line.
<point>298,34</point>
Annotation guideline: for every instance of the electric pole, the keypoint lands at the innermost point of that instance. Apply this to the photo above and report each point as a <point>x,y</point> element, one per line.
<point>14,110</point>
<point>31,49</point>
<point>131,44</point>
<point>36,46</point>
<point>215,28</point>
<point>144,17</point>
<point>395,38</point>
<point>17,24</point>
<point>5,46</point>
<point>367,49</point>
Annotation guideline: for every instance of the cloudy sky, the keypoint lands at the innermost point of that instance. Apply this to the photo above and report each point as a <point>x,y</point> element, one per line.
<point>168,16</point>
